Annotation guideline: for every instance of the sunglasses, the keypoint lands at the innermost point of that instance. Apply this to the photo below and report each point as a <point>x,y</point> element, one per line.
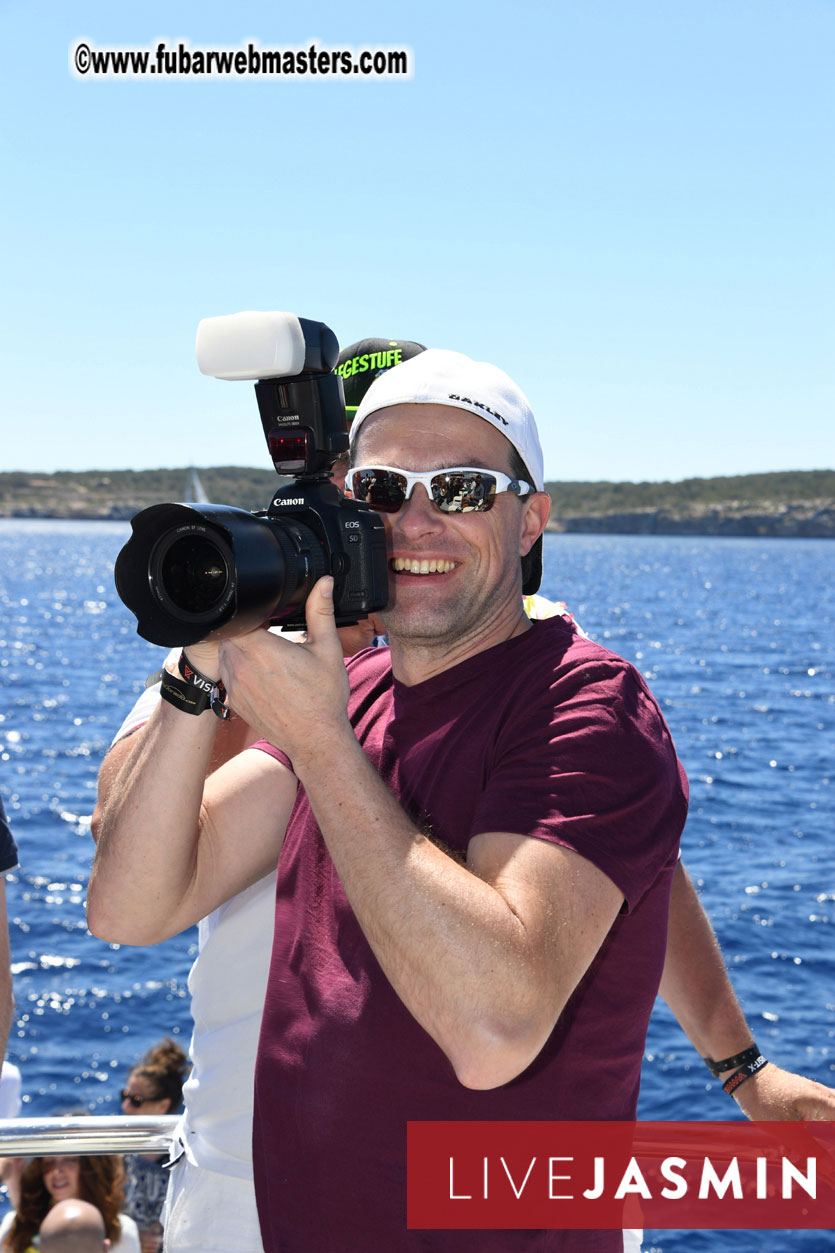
<point>458,490</point>
<point>136,1102</point>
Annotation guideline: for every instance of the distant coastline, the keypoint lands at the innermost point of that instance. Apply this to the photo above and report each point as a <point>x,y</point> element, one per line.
<point>788,504</point>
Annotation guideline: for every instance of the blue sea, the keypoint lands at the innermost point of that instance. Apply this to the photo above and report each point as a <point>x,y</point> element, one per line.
<point>735,637</point>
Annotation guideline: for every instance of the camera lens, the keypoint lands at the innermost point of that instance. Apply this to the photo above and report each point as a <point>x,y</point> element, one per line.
<point>191,571</point>
<point>194,574</point>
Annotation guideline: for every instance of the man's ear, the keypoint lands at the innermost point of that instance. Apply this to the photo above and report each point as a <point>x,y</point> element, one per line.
<point>536,510</point>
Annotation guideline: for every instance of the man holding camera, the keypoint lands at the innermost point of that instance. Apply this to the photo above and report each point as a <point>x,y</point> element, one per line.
<point>464,897</point>
<point>437,933</point>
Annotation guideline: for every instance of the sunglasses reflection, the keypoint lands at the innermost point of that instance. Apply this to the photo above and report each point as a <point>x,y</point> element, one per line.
<point>458,490</point>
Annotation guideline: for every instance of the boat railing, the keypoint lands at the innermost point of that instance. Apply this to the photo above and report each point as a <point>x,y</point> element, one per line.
<point>81,1136</point>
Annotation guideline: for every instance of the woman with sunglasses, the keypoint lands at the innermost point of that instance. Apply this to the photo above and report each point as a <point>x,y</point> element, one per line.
<point>154,1086</point>
<point>47,1180</point>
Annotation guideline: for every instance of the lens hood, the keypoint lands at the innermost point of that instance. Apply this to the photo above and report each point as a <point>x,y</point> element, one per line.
<point>189,572</point>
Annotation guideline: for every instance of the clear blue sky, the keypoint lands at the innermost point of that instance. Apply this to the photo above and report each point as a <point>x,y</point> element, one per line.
<point>627,204</point>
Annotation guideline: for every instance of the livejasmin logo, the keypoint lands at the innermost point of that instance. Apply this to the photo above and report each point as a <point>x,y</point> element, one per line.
<point>608,1175</point>
<point>632,1181</point>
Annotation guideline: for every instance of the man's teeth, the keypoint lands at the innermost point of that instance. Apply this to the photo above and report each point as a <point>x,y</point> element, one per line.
<point>404,565</point>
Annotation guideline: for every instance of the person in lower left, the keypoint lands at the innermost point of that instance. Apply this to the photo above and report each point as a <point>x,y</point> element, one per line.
<point>73,1227</point>
<point>46,1181</point>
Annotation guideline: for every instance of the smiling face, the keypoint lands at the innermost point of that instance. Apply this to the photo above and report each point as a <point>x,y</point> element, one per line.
<point>454,579</point>
<point>61,1177</point>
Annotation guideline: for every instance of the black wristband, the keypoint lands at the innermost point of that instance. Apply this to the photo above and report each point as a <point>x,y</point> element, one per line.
<point>740,1059</point>
<point>193,692</point>
<point>743,1074</point>
<point>188,672</point>
<point>182,695</point>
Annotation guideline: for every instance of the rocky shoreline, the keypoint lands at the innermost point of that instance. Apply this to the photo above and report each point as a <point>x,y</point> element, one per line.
<point>790,505</point>
<point>59,513</point>
<point>790,521</point>
<point>801,520</point>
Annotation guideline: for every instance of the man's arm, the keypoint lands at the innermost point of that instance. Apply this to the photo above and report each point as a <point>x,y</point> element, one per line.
<point>483,955</point>
<point>160,864</point>
<point>231,736</point>
<point>696,987</point>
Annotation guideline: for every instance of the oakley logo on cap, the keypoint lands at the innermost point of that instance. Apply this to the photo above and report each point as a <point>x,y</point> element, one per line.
<point>466,400</point>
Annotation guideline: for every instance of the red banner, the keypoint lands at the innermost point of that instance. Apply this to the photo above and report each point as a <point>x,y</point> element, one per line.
<point>587,1175</point>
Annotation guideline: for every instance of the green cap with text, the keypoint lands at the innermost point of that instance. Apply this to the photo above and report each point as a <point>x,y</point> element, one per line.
<point>361,363</point>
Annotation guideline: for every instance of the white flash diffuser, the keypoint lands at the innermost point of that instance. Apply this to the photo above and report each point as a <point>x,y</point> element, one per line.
<point>251,345</point>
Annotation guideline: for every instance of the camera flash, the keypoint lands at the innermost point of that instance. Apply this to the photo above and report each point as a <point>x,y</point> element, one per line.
<point>250,346</point>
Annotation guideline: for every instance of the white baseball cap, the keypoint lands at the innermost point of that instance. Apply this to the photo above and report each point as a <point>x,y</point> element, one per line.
<point>441,377</point>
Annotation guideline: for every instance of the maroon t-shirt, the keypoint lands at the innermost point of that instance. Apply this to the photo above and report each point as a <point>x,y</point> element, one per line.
<point>547,735</point>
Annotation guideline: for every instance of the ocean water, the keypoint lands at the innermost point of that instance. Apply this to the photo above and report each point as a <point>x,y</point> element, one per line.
<point>737,642</point>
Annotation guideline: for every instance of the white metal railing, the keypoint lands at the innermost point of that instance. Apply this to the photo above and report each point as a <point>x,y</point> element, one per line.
<point>82,1136</point>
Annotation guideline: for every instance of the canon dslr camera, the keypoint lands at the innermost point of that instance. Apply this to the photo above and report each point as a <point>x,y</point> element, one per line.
<point>192,571</point>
